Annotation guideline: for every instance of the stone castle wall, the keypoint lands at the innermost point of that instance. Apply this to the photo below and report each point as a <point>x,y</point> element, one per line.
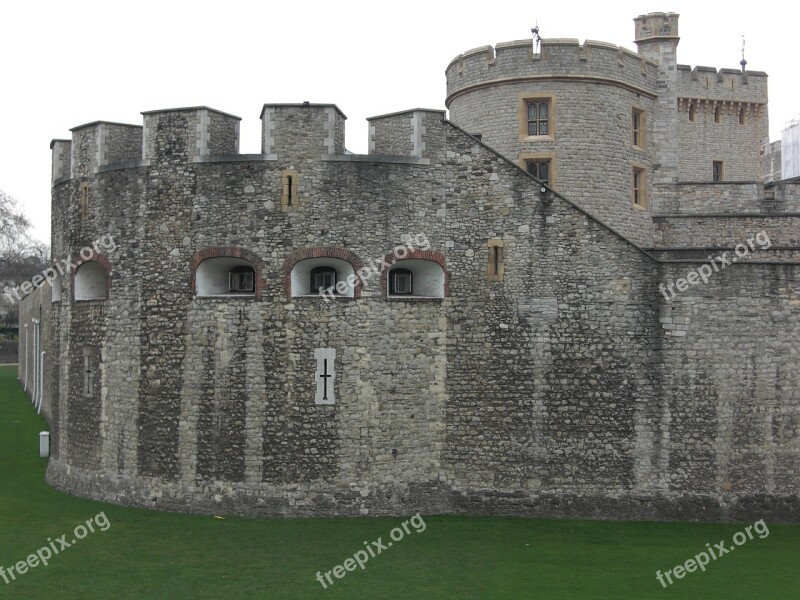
<point>562,390</point>
<point>570,384</point>
<point>718,131</point>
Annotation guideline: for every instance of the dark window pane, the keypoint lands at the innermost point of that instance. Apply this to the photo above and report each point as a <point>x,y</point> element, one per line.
<point>544,172</point>
<point>322,277</point>
<point>543,110</point>
<point>532,128</point>
<point>542,127</point>
<point>533,169</point>
<point>400,281</point>
<point>532,110</point>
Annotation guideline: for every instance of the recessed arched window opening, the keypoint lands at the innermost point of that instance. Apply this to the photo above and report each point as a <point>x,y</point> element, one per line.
<point>334,276</point>
<point>401,282</point>
<point>225,276</point>
<point>416,278</point>
<point>91,281</point>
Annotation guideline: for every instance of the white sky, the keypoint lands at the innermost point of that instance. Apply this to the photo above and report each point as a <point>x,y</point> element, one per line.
<point>69,63</point>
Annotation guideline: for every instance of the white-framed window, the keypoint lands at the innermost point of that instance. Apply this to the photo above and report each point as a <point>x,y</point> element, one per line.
<point>400,281</point>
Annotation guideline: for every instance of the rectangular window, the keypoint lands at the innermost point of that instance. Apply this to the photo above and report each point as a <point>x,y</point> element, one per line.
<point>87,373</point>
<point>241,282</point>
<point>288,190</point>
<point>692,114</point>
<point>742,116</point>
<point>402,282</point>
<point>323,279</point>
<point>496,268</point>
<point>538,117</point>
<point>716,171</point>
<point>637,128</point>
<point>639,187</point>
<point>540,169</point>
<point>717,115</point>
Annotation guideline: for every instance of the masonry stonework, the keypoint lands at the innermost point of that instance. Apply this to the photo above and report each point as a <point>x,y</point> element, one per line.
<point>570,386</point>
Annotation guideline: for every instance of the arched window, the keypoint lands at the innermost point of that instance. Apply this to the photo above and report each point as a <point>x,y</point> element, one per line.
<point>225,276</point>
<point>90,281</point>
<point>335,276</point>
<point>323,279</point>
<point>416,278</point>
<point>400,281</point>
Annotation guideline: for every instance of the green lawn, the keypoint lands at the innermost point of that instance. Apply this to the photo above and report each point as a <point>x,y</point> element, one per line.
<point>147,554</point>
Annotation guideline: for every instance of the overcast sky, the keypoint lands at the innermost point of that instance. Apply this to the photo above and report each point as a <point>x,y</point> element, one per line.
<point>69,63</point>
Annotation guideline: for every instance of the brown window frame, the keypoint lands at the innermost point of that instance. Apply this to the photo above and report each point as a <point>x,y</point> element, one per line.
<point>526,100</point>
<point>638,136</point>
<point>717,171</point>
<point>639,187</point>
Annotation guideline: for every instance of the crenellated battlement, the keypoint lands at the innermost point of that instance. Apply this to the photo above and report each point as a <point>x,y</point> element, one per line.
<point>723,85</point>
<point>199,134</point>
<point>558,59</point>
<point>98,144</point>
<point>405,133</point>
<point>307,130</point>
<point>202,131</point>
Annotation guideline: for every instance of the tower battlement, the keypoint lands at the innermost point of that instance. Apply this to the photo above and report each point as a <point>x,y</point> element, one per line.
<point>656,26</point>
<point>557,59</point>
<point>289,132</point>
<point>729,85</point>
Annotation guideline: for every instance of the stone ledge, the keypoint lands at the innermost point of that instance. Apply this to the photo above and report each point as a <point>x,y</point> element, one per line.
<point>725,215</point>
<point>133,163</point>
<point>224,158</point>
<point>377,158</point>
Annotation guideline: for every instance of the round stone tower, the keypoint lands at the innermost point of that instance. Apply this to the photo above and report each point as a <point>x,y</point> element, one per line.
<point>578,117</point>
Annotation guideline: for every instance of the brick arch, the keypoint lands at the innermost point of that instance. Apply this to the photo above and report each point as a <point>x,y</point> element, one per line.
<point>102,261</point>
<point>232,252</point>
<point>432,255</point>
<point>318,252</point>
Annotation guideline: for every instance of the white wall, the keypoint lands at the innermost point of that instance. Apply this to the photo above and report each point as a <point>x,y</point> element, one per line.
<point>790,150</point>
<point>90,281</point>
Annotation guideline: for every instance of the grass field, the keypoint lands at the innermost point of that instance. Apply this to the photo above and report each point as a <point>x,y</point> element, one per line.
<point>145,554</point>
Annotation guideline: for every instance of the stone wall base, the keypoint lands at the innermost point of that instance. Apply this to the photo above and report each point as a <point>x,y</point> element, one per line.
<point>427,498</point>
